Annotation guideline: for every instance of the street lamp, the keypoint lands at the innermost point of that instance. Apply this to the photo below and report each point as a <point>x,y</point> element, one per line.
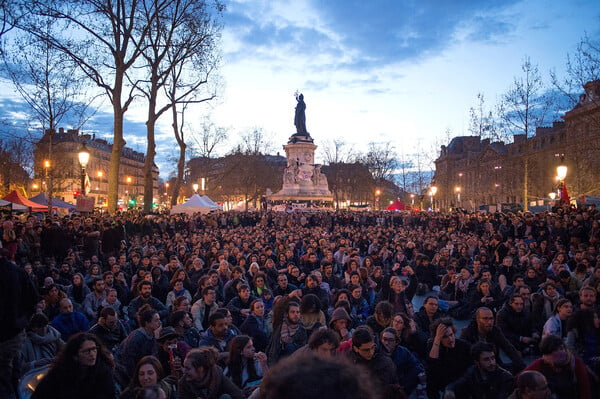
<point>412,200</point>
<point>432,192</point>
<point>195,186</point>
<point>377,194</point>
<point>561,175</point>
<point>84,158</point>
<point>457,190</point>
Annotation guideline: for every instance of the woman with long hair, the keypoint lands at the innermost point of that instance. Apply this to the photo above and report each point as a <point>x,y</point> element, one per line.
<point>583,337</point>
<point>245,366</point>
<point>83,369</point>
<point>256,326</point>
<point>77,291</point>
<point>149,372</point>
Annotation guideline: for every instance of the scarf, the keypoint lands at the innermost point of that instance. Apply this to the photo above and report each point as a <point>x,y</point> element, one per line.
<point>463,285</point>
<point>288,330</point>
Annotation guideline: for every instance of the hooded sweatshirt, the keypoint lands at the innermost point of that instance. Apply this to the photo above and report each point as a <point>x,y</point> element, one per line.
<point>38,347</point>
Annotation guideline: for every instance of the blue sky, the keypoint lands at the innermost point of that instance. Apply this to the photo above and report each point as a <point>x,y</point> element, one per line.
<point>380,70</point>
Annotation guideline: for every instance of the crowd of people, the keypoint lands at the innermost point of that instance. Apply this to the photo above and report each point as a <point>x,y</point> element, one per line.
<point>302,304</point>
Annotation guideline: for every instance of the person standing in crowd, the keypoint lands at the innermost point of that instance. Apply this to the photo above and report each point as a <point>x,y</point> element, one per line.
<point>18,298</point>
<point>83,369</point>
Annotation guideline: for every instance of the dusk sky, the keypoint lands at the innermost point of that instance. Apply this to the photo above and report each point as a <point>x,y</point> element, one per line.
<point>379,70</point>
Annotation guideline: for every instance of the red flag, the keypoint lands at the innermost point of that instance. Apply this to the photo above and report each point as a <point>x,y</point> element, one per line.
<point>564,194</point>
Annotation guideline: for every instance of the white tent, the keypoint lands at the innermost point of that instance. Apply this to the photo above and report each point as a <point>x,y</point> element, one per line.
<point>194,204</point>
<point>210,202</point>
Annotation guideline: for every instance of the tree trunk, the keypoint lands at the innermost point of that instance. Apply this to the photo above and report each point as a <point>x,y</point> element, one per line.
<point>117,148</point>
<point>150,154</point>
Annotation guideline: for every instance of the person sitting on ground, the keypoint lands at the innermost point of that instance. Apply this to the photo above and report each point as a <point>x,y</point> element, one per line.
<point>410,371</point>
<point>566,374</point>
<point>448,357</point>
<point>429,312</point>
<point>203,378</point>
<point>557,324</point>
<point>139,343</point>
<point>245,366</point>
<point>314,377</point>
<point>381,368</point>
<point>482,328</point>
<point>516,324</point>
<point>256,326</point>
<point>109,329</point>
<point>287,337</point>
<point>69,322</point>
<point>531,385</point>
<point>218,335</point>
<point>485,379</point>
<point>148,373</point>
<point>82,369</point>
<point>42,344</point>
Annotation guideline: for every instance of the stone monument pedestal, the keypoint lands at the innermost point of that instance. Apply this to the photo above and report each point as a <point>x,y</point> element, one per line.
<point>302,178</point>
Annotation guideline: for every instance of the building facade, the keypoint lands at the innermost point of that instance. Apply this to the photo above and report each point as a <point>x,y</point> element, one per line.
<point>471,172</point>
<point>57,169</point>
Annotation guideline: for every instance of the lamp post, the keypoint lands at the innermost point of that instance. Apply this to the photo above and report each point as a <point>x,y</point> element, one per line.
<point>377,194</point>
<point>195,187</point>
<point>561,175</point>
<point>457,191</point>
<point>432,192</point>
<point>412,201</point>
<point>84,158</point>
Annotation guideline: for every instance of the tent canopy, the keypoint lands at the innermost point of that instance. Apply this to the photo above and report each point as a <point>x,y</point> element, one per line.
<point>42,199</point>
<point>13,206</point>
<point>17,198</point>
<point>195,204</point>
<point>397,206</point>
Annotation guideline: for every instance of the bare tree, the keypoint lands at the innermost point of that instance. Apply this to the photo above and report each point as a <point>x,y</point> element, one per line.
<point>523,108</point>
<point>482,122</point>
<point>51,86</point>
<point>337,150</point>
<point>184,30</point>
<point>381,160</point>
<point>208,138</point>
<point>104,39</point>
<point>526,105</point>
<point>582,66</point>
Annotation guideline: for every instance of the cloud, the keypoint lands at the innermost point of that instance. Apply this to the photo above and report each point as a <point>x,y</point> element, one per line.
<point>358,35</point>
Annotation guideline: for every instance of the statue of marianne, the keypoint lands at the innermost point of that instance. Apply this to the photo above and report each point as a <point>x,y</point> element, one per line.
<point>300,117</point>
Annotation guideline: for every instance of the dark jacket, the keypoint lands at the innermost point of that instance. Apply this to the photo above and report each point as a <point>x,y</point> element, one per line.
<point>94,383</point>
<point>448,367</point>
<point>256,328</point>
<point>498,340</point>
<point>408,367</point>
<point>216,386</point>
<point>514,325</point>
<point>422,320</point>
<point>381,368</point>
<point>18,298</point>
<point>473,384</point>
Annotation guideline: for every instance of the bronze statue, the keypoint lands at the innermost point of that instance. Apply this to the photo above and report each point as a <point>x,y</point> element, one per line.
<point>300,117</point>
